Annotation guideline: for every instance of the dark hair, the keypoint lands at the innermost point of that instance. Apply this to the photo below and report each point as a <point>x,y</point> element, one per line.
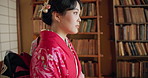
<point>60,6</point>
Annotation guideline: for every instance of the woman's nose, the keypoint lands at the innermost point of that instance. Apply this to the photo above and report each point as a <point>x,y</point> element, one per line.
<point>79,19</point>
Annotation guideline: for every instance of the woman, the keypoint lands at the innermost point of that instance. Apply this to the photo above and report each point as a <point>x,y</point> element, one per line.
<point>55,56</point>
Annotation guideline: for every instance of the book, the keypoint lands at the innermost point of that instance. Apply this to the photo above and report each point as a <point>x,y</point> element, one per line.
<point>127,14</point>
<point>132,32</point>
<point>127,49</point>
<point>120,14</point>
<point>146,14</point>
<point>116,2</point>
<point>90,69</point>
<point>126,32</point>
<point>121,49</point>
<point>139,49</point>
<point>133,14</point>
<point>85,9</point>
<point>89,25</point>
<point>37,12</point>
<point>142,32</point>
<point>93,26</point>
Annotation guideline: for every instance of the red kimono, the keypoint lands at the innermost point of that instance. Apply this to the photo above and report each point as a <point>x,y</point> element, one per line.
<point>54,59</point>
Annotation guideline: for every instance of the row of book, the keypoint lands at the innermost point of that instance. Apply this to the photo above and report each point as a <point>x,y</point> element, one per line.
<point>131,15</point>
<point>88,25</point>
<point>132,48</point>
<point>85,46</point>
<point>131,2</point>
<point>90,68</point>
<point>131,32</point>
<point>38,25</point>
<point>37,11</point>
<point>89,9</point>
<point>132,69</point>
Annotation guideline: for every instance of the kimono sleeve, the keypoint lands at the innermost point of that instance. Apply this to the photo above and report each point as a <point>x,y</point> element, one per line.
<point>48,64</point>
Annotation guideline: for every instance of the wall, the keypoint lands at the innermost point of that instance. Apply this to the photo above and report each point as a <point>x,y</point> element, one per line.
<point>8,27</point>
<point>26,24</point>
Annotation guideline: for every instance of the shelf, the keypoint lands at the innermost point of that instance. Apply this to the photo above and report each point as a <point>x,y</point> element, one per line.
<point>132,57</point>
<point>88,33</point>
<point>84,1</point>
<point>38,2</point>
<point>37,19</point>
<point>131,23</point>
<point>131,5</point>
<point>132,40</point>
<point>88,55</point>
<point>86,17</point>
<point>130,34</point>
<point>82,36</point>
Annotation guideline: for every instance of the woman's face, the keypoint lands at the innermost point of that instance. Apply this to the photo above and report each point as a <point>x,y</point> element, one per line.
<point>70,22</point>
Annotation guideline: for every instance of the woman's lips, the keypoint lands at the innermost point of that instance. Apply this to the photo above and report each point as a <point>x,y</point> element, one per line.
<point>77,26</point>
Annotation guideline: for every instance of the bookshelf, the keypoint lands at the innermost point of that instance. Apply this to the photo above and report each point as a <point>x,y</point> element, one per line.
<point>87,41</point>
<point>131,38</point>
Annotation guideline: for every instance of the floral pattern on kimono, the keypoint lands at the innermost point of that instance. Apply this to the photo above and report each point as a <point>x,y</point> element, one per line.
<point>54,59</point>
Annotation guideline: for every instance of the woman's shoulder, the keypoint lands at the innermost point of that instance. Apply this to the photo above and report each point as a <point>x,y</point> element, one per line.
<point>49,44</point>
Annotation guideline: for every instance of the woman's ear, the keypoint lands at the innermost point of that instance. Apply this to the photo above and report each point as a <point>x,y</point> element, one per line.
<point>56,16</point>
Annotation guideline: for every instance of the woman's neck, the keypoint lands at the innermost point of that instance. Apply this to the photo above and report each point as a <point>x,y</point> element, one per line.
<point>59,32</point>
<point>61,35</point>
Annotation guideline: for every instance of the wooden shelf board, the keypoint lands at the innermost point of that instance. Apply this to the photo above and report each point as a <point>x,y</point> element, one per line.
<point>131,5</point>
<point>88,33</point>
<point>86,17</point>
<point>132,57</point>
<point>83,1</point>
<point>88,55</point>
<point>130,23</point>
<point>38,2</point>
<point>132,40</point>
<point>36,18</point>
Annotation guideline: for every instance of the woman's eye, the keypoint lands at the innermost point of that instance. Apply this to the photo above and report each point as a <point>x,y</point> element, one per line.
<point>76,13</point>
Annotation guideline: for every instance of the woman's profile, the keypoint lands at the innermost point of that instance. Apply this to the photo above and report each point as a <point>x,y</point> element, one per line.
<point>55,57</point>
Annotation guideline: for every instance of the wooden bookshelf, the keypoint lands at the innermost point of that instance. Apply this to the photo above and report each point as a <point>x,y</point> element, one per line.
<point>90,35</point>
<point>131,38</point>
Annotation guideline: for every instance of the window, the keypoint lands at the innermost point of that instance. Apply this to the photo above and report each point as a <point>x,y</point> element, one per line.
<point>8,27</point>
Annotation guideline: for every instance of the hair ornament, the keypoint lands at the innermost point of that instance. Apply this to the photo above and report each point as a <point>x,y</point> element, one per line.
<point>45,7</point>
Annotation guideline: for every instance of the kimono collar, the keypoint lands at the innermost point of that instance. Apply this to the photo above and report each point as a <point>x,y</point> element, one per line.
<point>49,36</point>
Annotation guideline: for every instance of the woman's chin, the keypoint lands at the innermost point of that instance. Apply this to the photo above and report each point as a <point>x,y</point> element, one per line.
<point>74,32</point>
